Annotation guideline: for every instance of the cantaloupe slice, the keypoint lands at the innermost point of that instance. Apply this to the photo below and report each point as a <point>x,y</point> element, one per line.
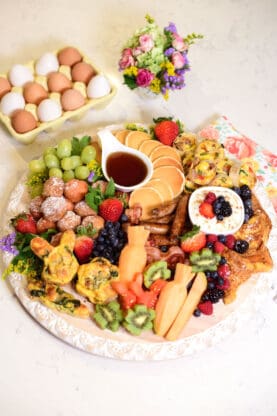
<point>193,298</point>
<point>167,160</point>
<point>163,187</point>
<point>173,176</point>
<point>148,198</point>
<point>135,138</point>
<point>121,135</point>
<point>164,151</point>
<point>148,146</point>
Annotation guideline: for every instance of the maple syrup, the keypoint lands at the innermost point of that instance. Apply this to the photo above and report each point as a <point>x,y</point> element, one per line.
<point>126,169</point>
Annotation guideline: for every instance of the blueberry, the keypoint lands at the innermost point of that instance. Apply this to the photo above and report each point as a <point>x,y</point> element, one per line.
<point>222,260</point>
<point>219,217</point>
<point>236,189</point>
<point>108,225</point>
<point>221,238</point>
<point>220,199</point>
<point>100,239</point>
<point>205,297</point>
<point>208,273</point>
<point>211,285</point>
<point>124,218</point>
<point>247,203</point>
<point>241,246</point>
<point>197,313</point>
<point>96,253</point>
<point>220,281</point>
<point>164,248</point>
<point>214,275</point>
<point>245,192</point>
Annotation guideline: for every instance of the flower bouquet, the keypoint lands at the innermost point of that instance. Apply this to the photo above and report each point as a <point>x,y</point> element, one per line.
<point>156,59</point>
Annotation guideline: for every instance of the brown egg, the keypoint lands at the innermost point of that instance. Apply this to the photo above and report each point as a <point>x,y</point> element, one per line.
<point>82,72</point>
<point>34,93</point>
<point>5,86</point>
<point>69,56</point>
<point>58,82</point>
<point>72,99</point>
<point>23,121</point>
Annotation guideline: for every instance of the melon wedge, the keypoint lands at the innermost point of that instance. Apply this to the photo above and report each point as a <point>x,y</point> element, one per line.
<point>164,150</point>
<point>172,175</point>
<point>148,198</point>
<point>163,187</point>
<point>135,138</point>
<point>121,135</point>
<point>148,146</point>
<point>167,160</point>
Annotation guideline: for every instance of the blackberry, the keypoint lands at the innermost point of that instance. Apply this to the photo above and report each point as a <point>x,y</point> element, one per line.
<point>245,192</point>
<point>214,295</point>
<point>241,246</point>
<point>211,285</point>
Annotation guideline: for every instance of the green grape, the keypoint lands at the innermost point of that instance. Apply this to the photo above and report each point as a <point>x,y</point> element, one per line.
<point>50,151</point>
<point>88,154</point>
<point>82,172</point>
<point>76,161</point>
<point>68,175</point>
<point>64,148</point>
<point>37,166</point>
<point>51,161</point>
<point>67,163</point>
<point>55,172</point>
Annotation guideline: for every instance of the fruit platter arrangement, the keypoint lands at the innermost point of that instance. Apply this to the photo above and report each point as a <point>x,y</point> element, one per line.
<point>151,261</point>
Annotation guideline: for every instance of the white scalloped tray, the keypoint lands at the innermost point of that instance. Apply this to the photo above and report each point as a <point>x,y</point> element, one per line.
<point>199,334</point>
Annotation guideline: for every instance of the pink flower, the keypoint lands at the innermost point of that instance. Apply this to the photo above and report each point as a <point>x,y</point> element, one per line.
<point>126,59</point>
<point>146,43</point>
<point>271,158</point>
<point>240,146</point>
<point>178,43</point>
<point>178,60</point>
<point>209,133</point>
<point>144,78</point>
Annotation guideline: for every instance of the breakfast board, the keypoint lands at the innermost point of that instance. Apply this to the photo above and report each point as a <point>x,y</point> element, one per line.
<point>199,334</point>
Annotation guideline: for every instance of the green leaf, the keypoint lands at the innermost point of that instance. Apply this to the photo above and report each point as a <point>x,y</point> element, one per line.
<point>79,144</point>
<point>110,190</point>
<point>130,81</point>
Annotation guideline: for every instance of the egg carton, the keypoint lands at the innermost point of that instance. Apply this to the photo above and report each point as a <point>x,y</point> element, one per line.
<point>73,115</point>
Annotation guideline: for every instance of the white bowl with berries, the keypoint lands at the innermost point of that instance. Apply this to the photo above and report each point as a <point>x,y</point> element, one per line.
<point>216,210</point>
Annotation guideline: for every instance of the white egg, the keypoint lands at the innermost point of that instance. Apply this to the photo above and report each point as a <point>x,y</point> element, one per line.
<point>49,110</point>
<point>47,63</point>
<point>19,75</point>
<point>12,101</point>
<point>98,87</point>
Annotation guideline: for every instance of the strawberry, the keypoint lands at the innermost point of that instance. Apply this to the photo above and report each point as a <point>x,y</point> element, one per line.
<point>218,247</point>
<point>193,240</point>
<point>166,131</point>
<point>206,307</point>
<point>230,241</point>
<point>25,223</point>
<point>111,209</point>
<point>83,248</point>
<point>206,210</point>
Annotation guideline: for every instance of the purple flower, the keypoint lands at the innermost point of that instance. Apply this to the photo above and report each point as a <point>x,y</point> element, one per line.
<point>144,78</point>
<point>91,176</point>
<point>7,244</point>
<point>169,51</point>
<point>171,28</point>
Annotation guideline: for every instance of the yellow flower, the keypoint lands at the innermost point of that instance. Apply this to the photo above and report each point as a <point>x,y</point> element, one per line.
<point>132,70</point>
<point>169,67</point>
<point>155,86</point>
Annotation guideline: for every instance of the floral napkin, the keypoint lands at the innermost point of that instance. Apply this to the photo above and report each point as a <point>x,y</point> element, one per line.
<point>242,147</point>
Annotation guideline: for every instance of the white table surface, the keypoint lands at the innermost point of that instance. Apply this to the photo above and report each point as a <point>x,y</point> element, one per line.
<point>233,73</point>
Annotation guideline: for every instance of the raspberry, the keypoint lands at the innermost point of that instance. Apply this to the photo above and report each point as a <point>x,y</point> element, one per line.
<point>219,247</point>
<point>206,307</point>
<point>211,238</point>
<point>230,241</point>
<point>223,270</point>
<point>210,197</point>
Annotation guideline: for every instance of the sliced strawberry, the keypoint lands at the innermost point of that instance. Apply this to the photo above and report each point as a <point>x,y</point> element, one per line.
<point>218,247</point>
<point>136,284</point>
<point>147,298</point>
<point>83,248</point>
<point>25,223</point>
<point>111,209</point>
<point>206,307</point>
<point>206,210</point>
<point>119,287</point>
<point>193,240</point>
<point>127,300</point>
<point>166,131</point>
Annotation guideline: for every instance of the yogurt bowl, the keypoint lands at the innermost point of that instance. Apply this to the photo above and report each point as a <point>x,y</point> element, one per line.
<point>129,168</point>
<point>230,224</point>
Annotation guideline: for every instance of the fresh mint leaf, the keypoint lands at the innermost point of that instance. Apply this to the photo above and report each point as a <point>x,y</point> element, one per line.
<point>94,198</point>
<point>110,190</point>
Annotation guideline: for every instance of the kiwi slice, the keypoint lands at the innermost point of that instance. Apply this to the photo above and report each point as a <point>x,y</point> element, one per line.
<point>155,271</point>
<point>108,316</point>
<point>204,260</point>
<point>138,319</point>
